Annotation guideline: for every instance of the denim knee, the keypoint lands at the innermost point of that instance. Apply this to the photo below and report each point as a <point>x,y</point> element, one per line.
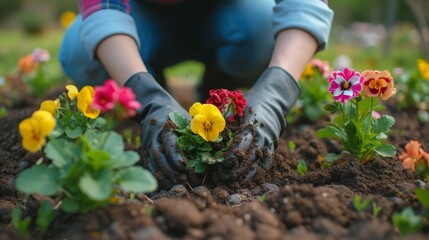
<point>247,37</point>
<point>75,61</point>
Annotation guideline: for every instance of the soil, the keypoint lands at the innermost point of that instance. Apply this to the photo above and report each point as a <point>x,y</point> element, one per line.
<point>277,203</point>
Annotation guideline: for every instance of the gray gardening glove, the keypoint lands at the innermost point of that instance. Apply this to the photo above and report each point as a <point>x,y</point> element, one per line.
<point>166,161</point>
<point>268,102</point>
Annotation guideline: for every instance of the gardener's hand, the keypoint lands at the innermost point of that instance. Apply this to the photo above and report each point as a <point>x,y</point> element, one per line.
<point>166,161</point>
<point>268,103</point>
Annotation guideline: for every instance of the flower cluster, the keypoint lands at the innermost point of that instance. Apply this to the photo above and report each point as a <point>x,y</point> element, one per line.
<point>313,95</point>
<point>230,103</point>
<point>415,158</point>
<point>118,100</point>
<point>32,61</point>
<point>200,139</point>
<point>356,99</point>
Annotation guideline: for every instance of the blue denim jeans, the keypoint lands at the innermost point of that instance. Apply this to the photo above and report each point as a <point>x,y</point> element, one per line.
<point>235,37</point>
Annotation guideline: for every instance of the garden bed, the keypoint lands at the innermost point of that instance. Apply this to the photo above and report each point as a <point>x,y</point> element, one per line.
<point>275,204</point>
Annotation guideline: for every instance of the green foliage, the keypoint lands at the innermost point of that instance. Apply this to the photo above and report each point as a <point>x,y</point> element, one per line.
<point>412,91</point>
<point>200,153</point>
<point>33,22</point>
<point>291,145</point>
<point>313,96</point>
<point>3,111</point>
<point>21,225</point>
<point>407,221</point>
<point>302,167</point>
<point>360,134</point>
<point>71,122</point>
<point>361,205</point>
<point>45,215</point>
<point>261,198</point>
<point>85,172</point>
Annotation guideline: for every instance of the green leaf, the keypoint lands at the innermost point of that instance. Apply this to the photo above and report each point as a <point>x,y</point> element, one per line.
<point>73,133</point>
<point>383,124</point>
<point>301,167</point>
<point>407,221</point>
<point>55,150</point>
<point>197,165</point>
<point>386,150</point>
<point>39,179</point>
<point>360,205</point>
<point>69,205</point>
<point>423,196</point>
<point>97,158</point>
<point>126,159</point>
<point>180,121</point>
<point>20,224</point>
<point>331,157</point>
<point>292,145</point>
<point>209,159</point>
<point>45,215</point>
<point>330,132</point>
<point>97,186</point>
<point>113,142</point>
<point>137,180</point>
<point>185,143</point>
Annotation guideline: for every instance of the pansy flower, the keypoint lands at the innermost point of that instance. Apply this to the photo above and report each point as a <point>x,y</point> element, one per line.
<point>84,102</point>
<point>207,121</point>
<point>72,91</point>
<point>413,154</point>
<point>34,130</point>
<point>378,83</point>
<point>423,67</point>
<point>50,106</point>
<point>345,85</point>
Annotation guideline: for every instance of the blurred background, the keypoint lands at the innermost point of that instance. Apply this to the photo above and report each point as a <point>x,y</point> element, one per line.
<point>366,34</point>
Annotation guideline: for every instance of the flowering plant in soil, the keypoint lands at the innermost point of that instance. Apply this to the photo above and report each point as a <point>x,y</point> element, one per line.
<point>413,89</point>
<point>355,124</point>
<point>203,140</point>
<point>313,97</point>
<point>415,159</point>
<point>32,70</point>
<point>81,171</point>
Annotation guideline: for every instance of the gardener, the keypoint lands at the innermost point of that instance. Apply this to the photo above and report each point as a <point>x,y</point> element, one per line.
<point>243,43</point>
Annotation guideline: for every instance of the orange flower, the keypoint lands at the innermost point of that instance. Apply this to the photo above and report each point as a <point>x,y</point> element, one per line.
<point>423,67</point>
<point>26,64</point>
<point>413,153</point>
<point>378,83</point>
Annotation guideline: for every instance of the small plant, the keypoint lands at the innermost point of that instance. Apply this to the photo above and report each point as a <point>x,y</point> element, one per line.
<point>301,167</point>
<point>200,138</point>
<point>360,204</point>
<point>21,225</point>
<point>313,97</point>
<point>415,159</point>
<point>413,88</point>
<point>407,221</point>
<point>361,133</point>
<point>33,71</point>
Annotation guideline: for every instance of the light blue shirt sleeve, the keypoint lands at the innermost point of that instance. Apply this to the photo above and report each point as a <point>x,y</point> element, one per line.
<point>313,16</point>
<point>104,23</point>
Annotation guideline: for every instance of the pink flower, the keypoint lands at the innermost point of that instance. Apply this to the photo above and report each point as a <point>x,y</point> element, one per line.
<point>120,100</point>
<point>230,103</point>
<point>126,99</point>
<point>345,85</point>
<point>219,98</point>
<point>323,66</point>
<point>106,96</point>
<point>41,55</point>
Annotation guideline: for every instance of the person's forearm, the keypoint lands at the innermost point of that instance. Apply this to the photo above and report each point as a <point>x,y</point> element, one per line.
<point>293,50</point>
<point>120,56</point>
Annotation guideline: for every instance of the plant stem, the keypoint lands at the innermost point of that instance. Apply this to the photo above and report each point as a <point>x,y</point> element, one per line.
<point>370,115</point>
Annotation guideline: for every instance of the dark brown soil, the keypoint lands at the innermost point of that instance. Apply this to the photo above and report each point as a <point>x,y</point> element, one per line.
<point>275,204</point>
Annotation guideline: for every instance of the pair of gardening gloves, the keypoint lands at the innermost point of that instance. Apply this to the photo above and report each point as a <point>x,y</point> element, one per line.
<point>268,102</point>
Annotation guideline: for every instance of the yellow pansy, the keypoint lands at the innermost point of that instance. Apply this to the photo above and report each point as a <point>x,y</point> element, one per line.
<point>72,91</point>
<point>84,102</point>
<point>50,106</point>
<point>67,18</point>
<point>207,121</point>
<point>308,72</point>
<point>34,130</point>
<point>423,67</point>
